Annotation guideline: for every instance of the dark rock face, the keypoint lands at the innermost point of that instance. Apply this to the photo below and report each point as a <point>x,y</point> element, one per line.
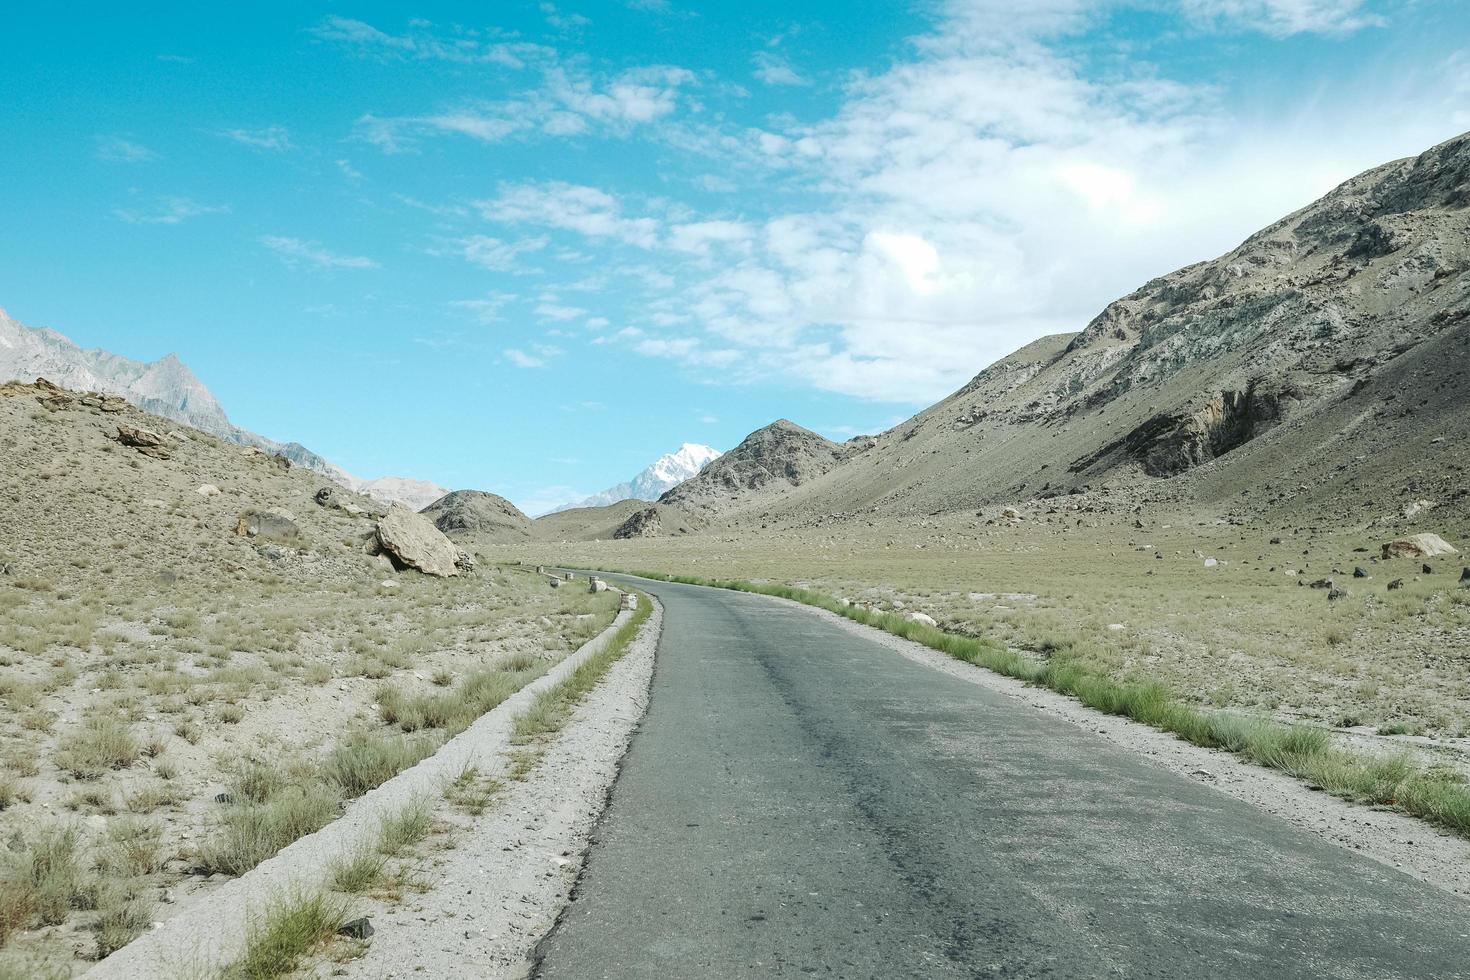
<point>644,524</point>
<point>1167,445</point>
<point>357,929</point>
<point>476,511</point>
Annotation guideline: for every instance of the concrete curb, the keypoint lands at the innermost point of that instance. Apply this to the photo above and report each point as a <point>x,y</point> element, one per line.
<point>212,933</point>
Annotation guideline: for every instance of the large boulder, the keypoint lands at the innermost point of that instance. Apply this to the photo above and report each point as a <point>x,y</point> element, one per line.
<point>352,504</point>
<point>146,441</point>
<point>273,524</point>
<point>1419,545</point>
<point>413,540</point>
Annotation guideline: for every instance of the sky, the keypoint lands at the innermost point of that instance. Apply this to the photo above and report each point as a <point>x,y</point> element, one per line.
<point>528,247</point>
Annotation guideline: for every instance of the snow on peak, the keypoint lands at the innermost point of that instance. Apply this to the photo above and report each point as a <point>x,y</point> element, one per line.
<point>665,473</point>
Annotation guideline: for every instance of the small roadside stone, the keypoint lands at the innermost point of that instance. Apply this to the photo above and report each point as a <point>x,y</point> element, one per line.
<point>1361,572</point>
<point>1428,569</point>
<point>1395,585</point>
<point>357,929</point>
<point>1465,578</point>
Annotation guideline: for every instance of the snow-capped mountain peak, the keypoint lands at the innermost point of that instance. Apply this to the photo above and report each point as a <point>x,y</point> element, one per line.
<point>665,473</point>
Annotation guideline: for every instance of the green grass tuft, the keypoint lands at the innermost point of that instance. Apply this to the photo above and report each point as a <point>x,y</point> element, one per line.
<point>287,933</point>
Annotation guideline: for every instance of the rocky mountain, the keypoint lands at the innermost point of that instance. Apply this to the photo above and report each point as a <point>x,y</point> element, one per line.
<point>411,493</point>
<point>480,513</point>
<point>1325,362</point>
<point>665,473</point>
<point>770,460</point>
<point>165,387</point>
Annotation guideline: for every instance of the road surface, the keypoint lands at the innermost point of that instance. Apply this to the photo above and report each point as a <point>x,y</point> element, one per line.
<point>803,802</point>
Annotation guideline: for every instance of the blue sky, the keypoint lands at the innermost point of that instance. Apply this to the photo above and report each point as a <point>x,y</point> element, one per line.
<point>529,247</point>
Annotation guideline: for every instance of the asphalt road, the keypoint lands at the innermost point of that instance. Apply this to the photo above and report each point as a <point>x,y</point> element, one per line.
<point>803,802</point>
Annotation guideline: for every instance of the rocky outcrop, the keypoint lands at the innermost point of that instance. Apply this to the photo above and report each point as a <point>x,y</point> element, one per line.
<point>643,524</point>
<point>780,456</point>
<point>1169,444</point>
<point>413,541</point>
<point>1419,546</point>
<point>352,504</point>
<point>146,441</point>
<point>165,387</point>
<point>478,512</point>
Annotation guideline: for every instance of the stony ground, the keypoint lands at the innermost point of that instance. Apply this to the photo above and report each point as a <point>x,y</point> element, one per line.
<point>1213,609</point>
<point>178,700</point>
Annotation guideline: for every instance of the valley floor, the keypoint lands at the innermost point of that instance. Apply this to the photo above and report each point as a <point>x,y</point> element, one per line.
<point>1222,614</point>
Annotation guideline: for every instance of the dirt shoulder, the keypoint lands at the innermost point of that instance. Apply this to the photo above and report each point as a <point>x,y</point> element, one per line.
<point>493,886</point>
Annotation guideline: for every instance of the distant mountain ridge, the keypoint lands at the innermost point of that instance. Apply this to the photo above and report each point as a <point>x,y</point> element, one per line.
<point>166,387</point>
<point>1320,366</point>
<point>659,477</point>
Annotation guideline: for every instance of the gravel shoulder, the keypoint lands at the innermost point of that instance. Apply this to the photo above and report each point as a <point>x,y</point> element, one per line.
<point>497,884</point>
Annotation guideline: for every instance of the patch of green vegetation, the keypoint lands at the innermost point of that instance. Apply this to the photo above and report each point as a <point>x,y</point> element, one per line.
<point>454,710</point>
<point>99,746</point>
<point>358,873</point>
<point>253,830</point>
<point>405,828</point>
<point>552,708</point>
<point>366,760</point>
<point>287,933</point>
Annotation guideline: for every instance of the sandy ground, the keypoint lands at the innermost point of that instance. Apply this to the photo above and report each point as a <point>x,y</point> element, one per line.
<point>499,885</point>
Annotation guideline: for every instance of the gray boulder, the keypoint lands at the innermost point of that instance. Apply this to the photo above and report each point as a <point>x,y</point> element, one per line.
<point>352,504</point>
<point>413,541</point>
<point>272,524</point>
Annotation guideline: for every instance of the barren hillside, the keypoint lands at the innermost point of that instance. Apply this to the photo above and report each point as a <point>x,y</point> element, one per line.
<point>1321,366</point>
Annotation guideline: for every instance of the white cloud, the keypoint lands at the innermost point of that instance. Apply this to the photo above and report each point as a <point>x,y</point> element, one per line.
<point>116,149</point>
<point>421,44</point>
<point>294,250</point>
<point>496,254</point>
<point>267,138</point>
<point>558,312</point>
<point>775,70</point>
<point>1284,17</point>
<point>571,207</point>
<point>563,21</point>
<point>349,171</point>
<point>523,360</point>
<point>536,357</point>
<point>698,236</point>
<point>990,189</point>
<point>486,309</point>
<point>169,211</point>
<point>568,102</point>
